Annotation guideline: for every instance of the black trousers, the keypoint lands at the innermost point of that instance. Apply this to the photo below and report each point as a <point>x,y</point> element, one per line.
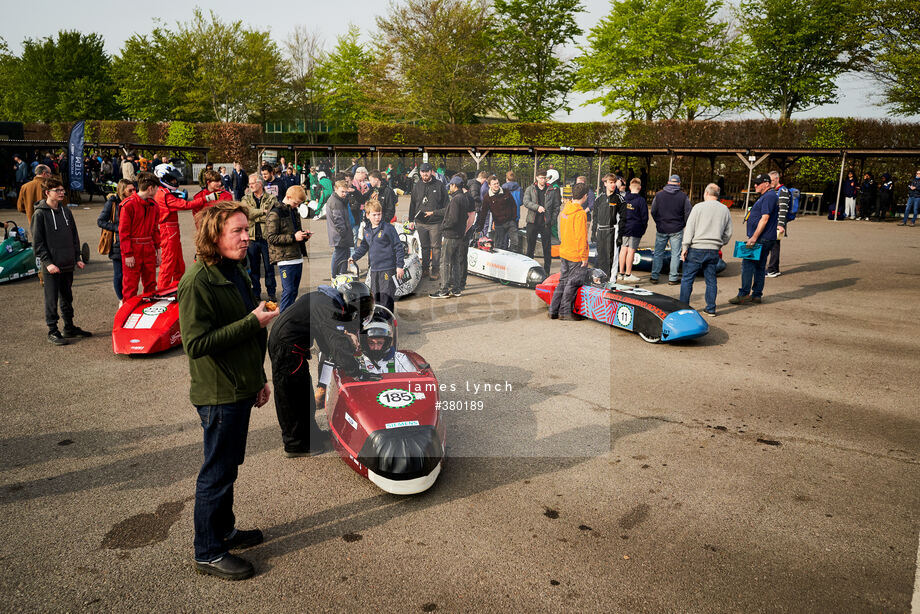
<point>453,265</point>
<point>546,238</point>
<point>467,238</point>
<point>429,235</point>
<point>605,250</point>
<point>58,289</point>
<point>294,400</point>
<point>881,209</point>
<point>383,287</point>
<point>773,258</point>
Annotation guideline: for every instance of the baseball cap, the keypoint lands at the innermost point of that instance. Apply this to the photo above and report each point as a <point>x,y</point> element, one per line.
<point>424,166</point>
<point>674,179</point>
<point>761,178</point>
<point>456,180</point>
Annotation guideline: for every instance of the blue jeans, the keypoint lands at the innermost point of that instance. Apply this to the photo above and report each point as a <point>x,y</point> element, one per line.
<point>355,229</point>
<point>753,272</point>
<point>706,259</point>
<point>225,429</point>
<point>662,239</point>
<point>290,283</point>
<point>258,250</point>
<point>117,276</point>
<point>913,204</point>
<point>571,278</point>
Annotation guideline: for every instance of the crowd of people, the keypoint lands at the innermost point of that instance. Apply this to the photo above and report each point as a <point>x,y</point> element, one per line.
<point>243,233</point>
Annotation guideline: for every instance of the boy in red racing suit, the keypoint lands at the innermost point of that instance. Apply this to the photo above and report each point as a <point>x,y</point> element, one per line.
<point>139,236</point>
<point>213,192</point>
<point>172,265</point>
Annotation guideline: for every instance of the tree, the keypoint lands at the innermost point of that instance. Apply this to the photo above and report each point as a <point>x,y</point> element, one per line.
<point>59,79</point>
<point>658,59</point>
<point>895,53</point>
<point>797,49</point>
<point>9,68</point>
<point>533,81</point>
<point>443,56</point>
<point>206,70</point>
<point>341,75</point>
<point>239,71</point>
<point>153,74</point>
<point>304,51</point>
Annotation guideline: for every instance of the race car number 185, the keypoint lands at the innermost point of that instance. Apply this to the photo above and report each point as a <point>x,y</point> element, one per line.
<point>395,398</point>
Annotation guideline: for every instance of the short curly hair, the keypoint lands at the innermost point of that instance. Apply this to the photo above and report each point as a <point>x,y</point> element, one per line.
<point>210,226</point>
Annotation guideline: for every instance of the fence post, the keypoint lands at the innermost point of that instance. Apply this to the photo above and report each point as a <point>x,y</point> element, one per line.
<point>843,162</point>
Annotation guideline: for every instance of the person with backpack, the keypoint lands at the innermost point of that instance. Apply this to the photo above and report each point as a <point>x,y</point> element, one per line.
<point>788,208</point>
<point>108,220</point>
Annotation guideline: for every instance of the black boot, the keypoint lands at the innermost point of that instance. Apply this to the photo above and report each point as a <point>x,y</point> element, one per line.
<point>71,331</point>
<point>56,338</point>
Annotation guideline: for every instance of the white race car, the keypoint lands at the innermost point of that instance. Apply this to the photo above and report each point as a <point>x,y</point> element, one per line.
<point>504,266</point>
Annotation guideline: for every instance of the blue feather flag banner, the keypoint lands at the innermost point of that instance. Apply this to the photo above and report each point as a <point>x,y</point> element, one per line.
<point>75,156</point>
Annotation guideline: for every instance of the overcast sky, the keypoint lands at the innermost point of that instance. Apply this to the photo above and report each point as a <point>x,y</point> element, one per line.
<point>116,21</point>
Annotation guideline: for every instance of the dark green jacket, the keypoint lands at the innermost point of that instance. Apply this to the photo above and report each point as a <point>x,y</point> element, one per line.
<point>223,339</point>
<point>281,224</point>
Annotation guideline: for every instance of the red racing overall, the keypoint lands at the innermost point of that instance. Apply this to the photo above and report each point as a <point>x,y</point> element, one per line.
<point>172,265</point>
<point>138,235</point>
<point>206,198</point>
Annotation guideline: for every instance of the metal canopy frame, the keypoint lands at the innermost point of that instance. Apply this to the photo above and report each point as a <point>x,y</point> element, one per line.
<point>751,157</point>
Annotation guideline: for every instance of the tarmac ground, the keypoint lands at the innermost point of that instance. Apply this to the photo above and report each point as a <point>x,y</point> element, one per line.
<point>770,466</point>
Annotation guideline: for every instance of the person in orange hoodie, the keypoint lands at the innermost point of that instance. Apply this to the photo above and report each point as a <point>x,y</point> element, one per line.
<point>573,254</point>
<point>139,237</point>
<point>213,191</point>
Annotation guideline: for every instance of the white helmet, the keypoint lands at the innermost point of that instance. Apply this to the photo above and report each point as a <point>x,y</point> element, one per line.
<point>552,176</point>
<point>169,175</point>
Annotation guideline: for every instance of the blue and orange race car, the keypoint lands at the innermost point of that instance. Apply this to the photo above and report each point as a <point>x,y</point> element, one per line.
<point>654,317</point>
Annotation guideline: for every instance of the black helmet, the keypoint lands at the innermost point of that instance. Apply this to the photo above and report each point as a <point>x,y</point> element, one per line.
<point>378,337</point>
<point>599,277</point>
<point>359,302</point>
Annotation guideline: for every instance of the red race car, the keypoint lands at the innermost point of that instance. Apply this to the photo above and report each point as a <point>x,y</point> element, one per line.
<point>389,430</point>
<point>147,324</point>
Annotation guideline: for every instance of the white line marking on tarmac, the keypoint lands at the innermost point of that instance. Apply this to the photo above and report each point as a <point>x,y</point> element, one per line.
<point>915,602</point>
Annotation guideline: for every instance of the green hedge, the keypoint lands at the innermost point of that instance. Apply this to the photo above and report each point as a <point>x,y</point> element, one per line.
<point>227,142</point>
<point>865,133</point>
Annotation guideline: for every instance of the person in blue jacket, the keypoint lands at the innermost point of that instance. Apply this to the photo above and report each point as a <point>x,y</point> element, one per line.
<point>108,220</point>
<point>636,224</point>
<point>850,190</point>
<point>386,255</point>
<point>762,221</point>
